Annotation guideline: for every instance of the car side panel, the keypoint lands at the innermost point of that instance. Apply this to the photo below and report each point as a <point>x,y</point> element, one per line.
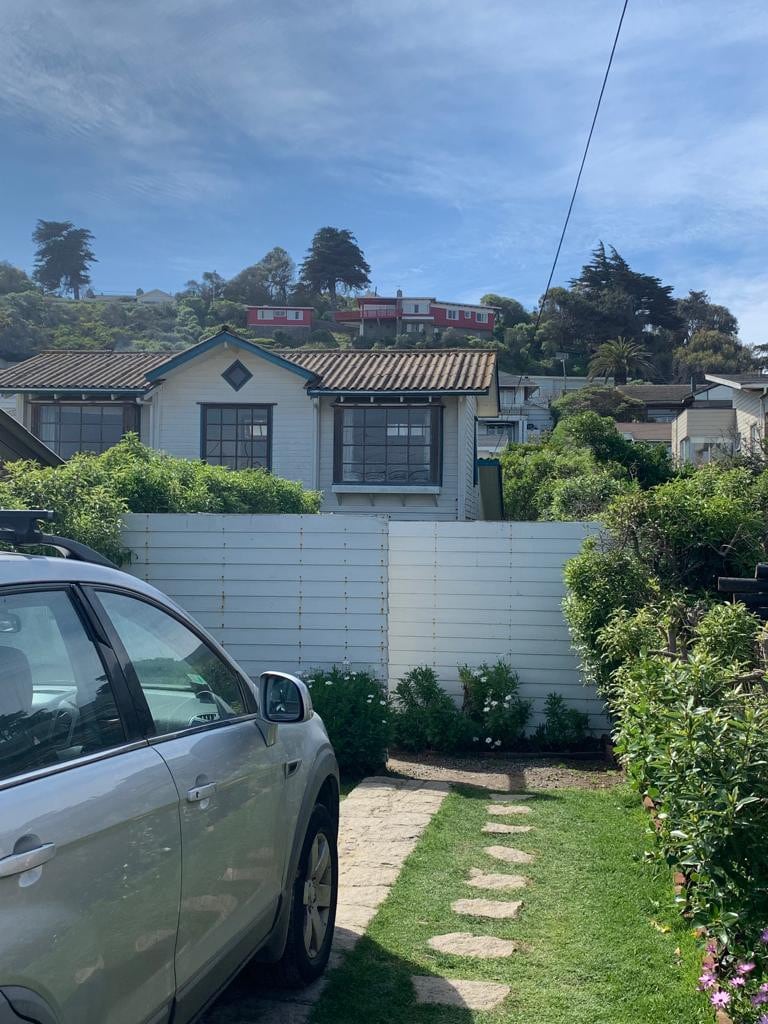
<point>93,931</point>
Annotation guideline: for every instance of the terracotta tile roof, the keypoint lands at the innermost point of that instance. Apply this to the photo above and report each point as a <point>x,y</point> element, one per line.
<point>397,370</point>
<point>350,370</point>
<point>667,394</point>
<point>82,369</point>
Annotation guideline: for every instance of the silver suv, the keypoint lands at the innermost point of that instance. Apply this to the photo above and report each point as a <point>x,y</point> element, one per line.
<point>163,820</point>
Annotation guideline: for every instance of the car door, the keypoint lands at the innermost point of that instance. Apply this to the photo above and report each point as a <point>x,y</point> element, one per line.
<point>229,779</point>
<point>90,843</point>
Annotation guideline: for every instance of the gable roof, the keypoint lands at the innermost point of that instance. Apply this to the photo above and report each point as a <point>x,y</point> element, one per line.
<point>653,394</point>
<point>740,381</point>
<point>82,370</point>
<point>394,371</point>
<point>325,371</point>
<point>224,337</point>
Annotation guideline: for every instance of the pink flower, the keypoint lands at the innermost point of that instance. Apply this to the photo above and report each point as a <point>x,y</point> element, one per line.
<point>764,935</point>
<point>720,999</point>
<point>745,968</point>
<point>707,980</point>
<point>763,1018</point>
<point>759,999</point>
<point>737,982</point>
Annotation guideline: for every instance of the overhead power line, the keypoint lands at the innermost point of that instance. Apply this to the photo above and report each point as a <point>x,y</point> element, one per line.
<point>583,161</point>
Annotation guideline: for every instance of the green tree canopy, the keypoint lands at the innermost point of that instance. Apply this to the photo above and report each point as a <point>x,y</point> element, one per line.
<point>605,401</point>
<point>12,279</point>
<point>709,351</point>
<point>697,314</point>
<point>334,258</point>
<point>63,256</point>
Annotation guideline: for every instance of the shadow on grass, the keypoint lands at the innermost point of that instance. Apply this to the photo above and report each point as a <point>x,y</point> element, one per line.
<point>370,984</point>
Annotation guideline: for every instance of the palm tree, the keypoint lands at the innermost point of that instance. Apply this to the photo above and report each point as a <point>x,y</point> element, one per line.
<point>619,359</point>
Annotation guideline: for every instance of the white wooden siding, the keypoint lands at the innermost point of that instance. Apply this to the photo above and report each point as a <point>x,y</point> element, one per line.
<point>475,592</point>
<point>287,592</point>
<point>296,592</point>
<point>749,412</point>
<point>177,401</point>
<point>410,506</point>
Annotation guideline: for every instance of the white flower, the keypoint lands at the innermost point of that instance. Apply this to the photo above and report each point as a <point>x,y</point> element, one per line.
<point>383,703</point>
<point>371,696</point>
<point>347,677</point>
<point>497,743</point>
<point>488,739</point>
<point>475,739</point>
<point>383,721</point>
<point>483,679</point>
<point>329,682</point>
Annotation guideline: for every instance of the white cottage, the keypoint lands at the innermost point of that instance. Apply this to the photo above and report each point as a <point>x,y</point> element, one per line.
<point>391,431</point>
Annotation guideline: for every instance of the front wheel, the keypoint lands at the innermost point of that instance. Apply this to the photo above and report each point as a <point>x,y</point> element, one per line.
<point>313,903</point>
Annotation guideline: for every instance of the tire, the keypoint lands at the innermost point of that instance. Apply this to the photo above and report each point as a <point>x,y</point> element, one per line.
<point>313,904</point>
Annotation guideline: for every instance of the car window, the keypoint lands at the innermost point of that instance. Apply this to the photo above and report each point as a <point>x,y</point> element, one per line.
<point>56,702</point>
<point>185,684</point>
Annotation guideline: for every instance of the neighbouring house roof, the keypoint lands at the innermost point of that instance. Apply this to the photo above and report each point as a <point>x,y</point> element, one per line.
<point>81,370</point>
<point>656,394</point>
<point>515,380</point>
<point>647,431</point>
<point>397,370</point>
<point>740,381</point>
<point>16,442</point>
<point>467,371</point>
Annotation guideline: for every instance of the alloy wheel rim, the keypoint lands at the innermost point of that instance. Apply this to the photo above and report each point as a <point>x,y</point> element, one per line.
<point>318,884</point>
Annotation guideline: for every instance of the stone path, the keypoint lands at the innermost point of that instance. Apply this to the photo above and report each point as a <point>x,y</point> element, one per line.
<point>446,991</point>
<point>472,995</point>
<point>381,823</point>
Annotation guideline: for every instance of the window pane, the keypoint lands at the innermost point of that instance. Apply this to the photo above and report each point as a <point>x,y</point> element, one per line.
<point>184,682</point>
<point>237,436</point>
<point>56,702</point>
<point>391,444</point>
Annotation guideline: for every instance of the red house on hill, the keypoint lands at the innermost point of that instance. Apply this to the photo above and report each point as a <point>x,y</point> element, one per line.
<point>291,319</point>
<point>383,318</point>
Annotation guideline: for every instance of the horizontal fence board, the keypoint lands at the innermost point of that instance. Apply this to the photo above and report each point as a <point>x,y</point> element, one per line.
<point>303,592</point>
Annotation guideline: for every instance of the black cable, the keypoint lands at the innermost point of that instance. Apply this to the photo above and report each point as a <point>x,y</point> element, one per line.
<point>583,161</point>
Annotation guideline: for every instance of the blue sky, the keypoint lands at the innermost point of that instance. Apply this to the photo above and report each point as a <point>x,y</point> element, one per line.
<point>194,135</point>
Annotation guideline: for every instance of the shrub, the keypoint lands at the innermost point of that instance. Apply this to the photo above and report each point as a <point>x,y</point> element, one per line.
<point>424,716</point>
<point>492,704</point>
<point>603,400</point>
<point>89,494</point>
<point>355,709</point>
<point>564,728</point>
<point>729,633</point>
<point>584,496</point>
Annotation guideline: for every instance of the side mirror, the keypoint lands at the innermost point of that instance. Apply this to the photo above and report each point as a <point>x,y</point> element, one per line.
<point>284,698</point>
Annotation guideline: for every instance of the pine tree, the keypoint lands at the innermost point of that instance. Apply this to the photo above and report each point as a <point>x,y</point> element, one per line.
<point>63,256</point>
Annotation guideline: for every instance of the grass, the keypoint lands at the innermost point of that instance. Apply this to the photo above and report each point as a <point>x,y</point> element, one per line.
<point>602,941</point>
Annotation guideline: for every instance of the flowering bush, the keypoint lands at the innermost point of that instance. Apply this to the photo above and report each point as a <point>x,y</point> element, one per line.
<point>493,705</point>
<point>355,710</point>
<point>734,983</point>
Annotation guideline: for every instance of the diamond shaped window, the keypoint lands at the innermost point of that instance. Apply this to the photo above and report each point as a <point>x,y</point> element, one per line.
<point>237,375</point>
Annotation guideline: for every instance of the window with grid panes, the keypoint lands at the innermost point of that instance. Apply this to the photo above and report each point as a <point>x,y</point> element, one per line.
<point>388,445</point>
<point>237,436</point>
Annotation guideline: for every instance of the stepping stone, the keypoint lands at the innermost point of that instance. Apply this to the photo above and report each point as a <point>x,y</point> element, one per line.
<point>499,828</point>
<point>509,855</point>
<point>508,798</point>
<point>487,908</point>
<point>480,880</point>
<point>484,947</point>
<point>471,995</point>
<point>507,809</point>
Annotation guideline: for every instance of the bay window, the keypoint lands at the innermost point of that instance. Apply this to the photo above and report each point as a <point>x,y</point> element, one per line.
<point>387,445</point>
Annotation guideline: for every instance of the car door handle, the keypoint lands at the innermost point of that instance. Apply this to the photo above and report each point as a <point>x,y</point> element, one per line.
<point>198,793</point>
<point>18,863</point>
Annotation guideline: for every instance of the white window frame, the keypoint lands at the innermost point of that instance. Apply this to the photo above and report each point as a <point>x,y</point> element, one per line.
<point>296,314</point>
<point>467,314</point>
<point>451,314</point>
<point>265,314</point>
<point>482,318</point>
<point>281,313</point>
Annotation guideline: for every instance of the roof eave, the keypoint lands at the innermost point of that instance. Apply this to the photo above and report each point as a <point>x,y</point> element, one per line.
<point>220,338</point>
<point>405,392</point>
<point>121,392</point>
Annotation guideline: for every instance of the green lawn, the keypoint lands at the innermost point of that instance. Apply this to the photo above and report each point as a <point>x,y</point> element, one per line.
<point>602,941</point>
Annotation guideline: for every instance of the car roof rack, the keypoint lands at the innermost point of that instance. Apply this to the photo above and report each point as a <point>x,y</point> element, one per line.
<point>20,528</point>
